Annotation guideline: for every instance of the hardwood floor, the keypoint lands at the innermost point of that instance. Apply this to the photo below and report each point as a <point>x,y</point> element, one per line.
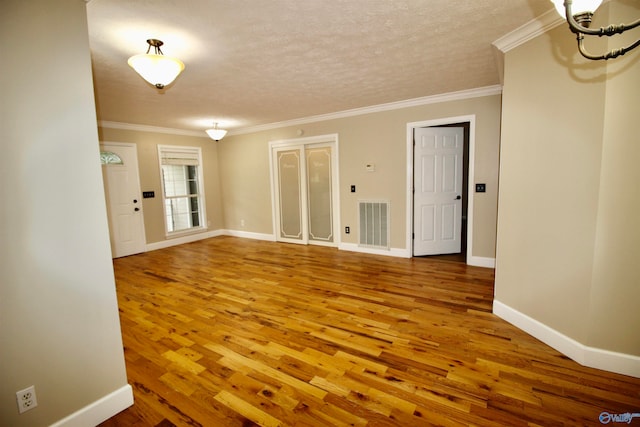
<point>238,332</point>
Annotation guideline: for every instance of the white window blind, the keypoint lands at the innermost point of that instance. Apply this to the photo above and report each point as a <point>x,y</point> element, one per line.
<point>184,157</point>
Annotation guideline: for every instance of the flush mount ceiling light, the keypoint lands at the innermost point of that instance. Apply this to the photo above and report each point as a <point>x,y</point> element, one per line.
<point>215,133</point>
<point>579,13</point>
<point>156,68</point>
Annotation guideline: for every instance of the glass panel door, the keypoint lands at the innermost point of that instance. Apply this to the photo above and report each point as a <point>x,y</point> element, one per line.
<point>289,189</point>
<point>319,194</point>
<point>304,183</point>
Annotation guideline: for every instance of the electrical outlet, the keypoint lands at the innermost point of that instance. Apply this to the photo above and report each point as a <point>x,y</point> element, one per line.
<point>347,230</point>
<point>26,399</point>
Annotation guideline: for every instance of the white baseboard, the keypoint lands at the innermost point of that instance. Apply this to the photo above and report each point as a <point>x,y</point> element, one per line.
<point>406,253</point>
<point>188,238</point>
<point>207,235</point>
<point>478,261</point>
<point>353,247</point>
<point>249,235</point>
<point>592,357</point>
<point>100,410</point>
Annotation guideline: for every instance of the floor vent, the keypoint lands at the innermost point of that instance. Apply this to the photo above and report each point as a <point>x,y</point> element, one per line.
<point>374,223</point>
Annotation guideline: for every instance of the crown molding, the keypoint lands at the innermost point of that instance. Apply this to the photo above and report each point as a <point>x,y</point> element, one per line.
<point>528,31</point>
<point>147,128</point>
<point>414,102</point>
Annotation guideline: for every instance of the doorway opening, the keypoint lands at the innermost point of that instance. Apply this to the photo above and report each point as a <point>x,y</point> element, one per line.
<point>440,226</point>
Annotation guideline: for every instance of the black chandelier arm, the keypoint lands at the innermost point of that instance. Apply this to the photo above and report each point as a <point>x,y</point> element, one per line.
<point>609,55</point>
<point>576,26</point>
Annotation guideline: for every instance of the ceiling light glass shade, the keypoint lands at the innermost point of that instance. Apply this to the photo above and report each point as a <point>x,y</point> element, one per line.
<point>159,70</point>
<point>216,134</point>
<point>577,6</point>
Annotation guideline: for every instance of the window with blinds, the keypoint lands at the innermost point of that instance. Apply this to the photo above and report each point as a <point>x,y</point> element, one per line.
<point>182,188</point>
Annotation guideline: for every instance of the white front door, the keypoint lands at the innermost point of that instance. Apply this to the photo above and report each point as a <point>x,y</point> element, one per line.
<point>437,205</point>
<point>124,200</point>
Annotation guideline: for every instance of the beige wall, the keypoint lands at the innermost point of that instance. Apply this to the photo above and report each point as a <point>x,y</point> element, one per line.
<point>150,180</point>
<point>59,325</point>
<point>378,138</point>
<point>614,315</point>
<point>567,246</point>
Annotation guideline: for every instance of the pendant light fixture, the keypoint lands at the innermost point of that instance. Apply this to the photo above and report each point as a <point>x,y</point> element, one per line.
<point>215,133</point>
<point>156,68</point>
<point>579,13</point>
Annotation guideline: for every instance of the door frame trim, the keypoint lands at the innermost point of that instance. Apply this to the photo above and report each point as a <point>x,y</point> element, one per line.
<point>319,139</point>
<point>471,119</point>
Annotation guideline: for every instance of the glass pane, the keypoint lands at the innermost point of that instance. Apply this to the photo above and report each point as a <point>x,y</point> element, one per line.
<point>110,158</point>
<point>181,197</point>
<point>178,212</point>
<point>195,213</point>
<point>289,187</point>
<point>319,193</point>
<point>192,174</point>
<point>179,180</point>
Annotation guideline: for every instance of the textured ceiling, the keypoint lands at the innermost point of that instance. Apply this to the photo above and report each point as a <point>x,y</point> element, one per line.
<point>255,62</point>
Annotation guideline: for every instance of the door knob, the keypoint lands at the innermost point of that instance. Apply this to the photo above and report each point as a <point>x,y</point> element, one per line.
<point>135,200</point>
<point>458,197</point>
<point>136,209</point>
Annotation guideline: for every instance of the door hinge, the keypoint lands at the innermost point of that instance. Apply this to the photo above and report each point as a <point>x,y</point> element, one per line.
<point>413,236</point>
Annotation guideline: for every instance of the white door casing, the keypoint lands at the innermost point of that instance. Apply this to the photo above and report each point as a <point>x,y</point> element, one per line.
<point>438,172</point>
<point>124,201</point>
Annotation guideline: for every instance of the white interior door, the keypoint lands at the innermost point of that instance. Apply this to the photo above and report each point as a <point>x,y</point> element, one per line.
<point>437,215</point>
<point>304,179</point>
<point>124,201</point>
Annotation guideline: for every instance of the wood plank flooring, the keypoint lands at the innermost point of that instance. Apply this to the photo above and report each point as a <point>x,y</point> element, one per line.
<point>238,332</point>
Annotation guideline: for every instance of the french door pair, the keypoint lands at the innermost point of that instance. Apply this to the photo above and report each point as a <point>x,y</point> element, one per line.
<point>304,183</point>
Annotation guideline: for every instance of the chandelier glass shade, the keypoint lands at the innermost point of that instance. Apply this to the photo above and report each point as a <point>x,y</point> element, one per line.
<point>215,133</point>
<point>579,14</point>
<point>156,68</point>
<point>578,6</point>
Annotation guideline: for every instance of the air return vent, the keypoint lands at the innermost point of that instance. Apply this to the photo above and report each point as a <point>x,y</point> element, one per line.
<point>374,223</point>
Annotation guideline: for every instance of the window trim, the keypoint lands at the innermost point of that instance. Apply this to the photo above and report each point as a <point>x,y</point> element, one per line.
<point>187,152</point>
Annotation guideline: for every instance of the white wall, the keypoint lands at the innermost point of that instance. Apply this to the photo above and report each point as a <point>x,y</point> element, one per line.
<point>59,326</point>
